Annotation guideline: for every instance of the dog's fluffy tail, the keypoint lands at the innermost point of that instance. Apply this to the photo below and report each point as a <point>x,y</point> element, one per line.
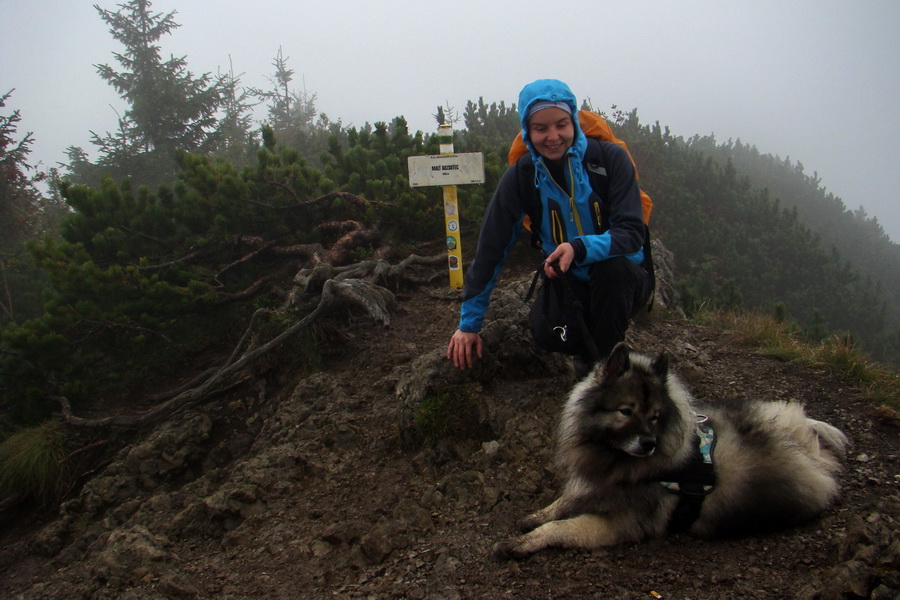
<point>819,440</point>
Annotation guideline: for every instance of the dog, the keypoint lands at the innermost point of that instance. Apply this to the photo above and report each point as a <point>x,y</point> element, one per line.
<point>630,430</point>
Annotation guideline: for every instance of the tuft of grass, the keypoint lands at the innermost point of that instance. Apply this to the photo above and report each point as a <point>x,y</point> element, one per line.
<point>880,383</point>
<point>451,412</point>
<point>32,462</point>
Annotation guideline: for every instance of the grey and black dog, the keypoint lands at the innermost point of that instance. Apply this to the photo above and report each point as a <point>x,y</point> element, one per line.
<point>630,430</point>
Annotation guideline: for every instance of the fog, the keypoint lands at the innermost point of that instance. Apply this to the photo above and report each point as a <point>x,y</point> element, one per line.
<point>815,81</point>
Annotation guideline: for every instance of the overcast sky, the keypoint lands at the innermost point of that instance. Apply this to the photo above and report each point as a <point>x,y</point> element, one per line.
<point>817,81</point>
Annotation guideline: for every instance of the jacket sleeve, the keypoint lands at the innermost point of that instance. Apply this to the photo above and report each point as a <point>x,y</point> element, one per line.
<point>499,232</point>
<point>625,236</point>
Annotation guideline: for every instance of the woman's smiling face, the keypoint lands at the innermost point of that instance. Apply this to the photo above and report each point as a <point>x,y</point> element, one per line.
<point>551,132</point>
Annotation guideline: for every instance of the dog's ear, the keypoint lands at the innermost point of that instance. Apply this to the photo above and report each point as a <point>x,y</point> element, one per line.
<point>661,365</point>
<point>618,362</point>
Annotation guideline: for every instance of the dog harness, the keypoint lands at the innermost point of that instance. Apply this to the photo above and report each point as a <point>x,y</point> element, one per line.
<point>694,480</point>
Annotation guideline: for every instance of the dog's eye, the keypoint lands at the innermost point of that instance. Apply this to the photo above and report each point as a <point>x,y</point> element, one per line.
<point>626,412</point>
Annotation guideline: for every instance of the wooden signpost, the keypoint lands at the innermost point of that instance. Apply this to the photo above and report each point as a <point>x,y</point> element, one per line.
<point>448,170</point>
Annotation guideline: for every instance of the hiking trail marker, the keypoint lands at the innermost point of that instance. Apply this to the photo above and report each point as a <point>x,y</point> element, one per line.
<point>448,170</point>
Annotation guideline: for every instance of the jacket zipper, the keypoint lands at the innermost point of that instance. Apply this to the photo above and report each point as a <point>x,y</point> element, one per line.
<point>556,226</point>
<point>573,211</point>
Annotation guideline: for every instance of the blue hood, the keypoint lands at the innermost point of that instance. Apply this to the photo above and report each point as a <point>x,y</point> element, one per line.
<point>551,90</point>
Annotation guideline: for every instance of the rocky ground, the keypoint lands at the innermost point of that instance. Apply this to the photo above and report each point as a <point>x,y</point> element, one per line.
<point>318,487</point>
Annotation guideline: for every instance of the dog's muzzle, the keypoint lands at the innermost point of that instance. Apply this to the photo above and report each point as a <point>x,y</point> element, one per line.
<point>641,445</point>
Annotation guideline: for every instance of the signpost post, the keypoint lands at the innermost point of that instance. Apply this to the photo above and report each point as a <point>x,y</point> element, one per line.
<point>448,170</point>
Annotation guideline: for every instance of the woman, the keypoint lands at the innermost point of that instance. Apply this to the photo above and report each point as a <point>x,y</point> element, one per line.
<point>604,259</point>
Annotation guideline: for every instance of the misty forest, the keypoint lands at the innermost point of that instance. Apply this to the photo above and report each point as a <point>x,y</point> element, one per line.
<point>156,247</point>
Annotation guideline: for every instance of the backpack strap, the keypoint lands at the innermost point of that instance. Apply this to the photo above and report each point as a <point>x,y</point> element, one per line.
<point>531,197</point>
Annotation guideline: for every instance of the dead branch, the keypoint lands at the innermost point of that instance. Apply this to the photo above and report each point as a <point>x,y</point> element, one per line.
<point>323,199</point>
<point>159,412</point>
<point>341,250</point>
<point>166,265</point>
<point>100,324</point>
<point>146,236</point>
<point>353,198</point>
<point>208,373</point>
<point>247,292</point>
<point>301,250</point>
<point>341,226</point>
<point>242,343</point>
<point>246,258</point>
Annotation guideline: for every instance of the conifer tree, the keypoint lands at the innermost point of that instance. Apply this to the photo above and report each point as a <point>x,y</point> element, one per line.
<point>18,196</point>
<point>293,116</point>
<point>169,108</point>
<point>489,125</point>
<point>235,140</point>
<point>25,214</point>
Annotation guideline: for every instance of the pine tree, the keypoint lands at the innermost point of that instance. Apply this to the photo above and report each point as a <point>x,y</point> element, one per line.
<point>234,140</point>
<point>293,116</point>
<point>169,108</point>
<point>490,125</point>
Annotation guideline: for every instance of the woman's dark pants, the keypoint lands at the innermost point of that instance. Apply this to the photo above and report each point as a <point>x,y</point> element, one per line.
<point>618,289</point>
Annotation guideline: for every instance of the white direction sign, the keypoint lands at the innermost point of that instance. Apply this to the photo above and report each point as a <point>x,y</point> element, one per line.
<point>446,169</point>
